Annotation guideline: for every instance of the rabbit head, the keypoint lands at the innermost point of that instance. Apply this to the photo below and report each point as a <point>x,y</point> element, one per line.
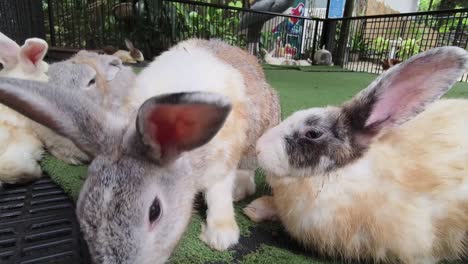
<point>318,141</point>
<point>137,198</point>
<point>135,53</point>
<point>25,62</point>
<point>104,78</point>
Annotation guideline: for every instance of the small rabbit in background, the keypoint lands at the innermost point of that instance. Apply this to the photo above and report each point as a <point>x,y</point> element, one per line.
<point>104,80</point>
<point>20,149</point>
<point>287,60</point>
<point>387,63</point>
<point>133,55</point>
<point>189,134</point>
<point>323,57</point>
<point>384,176</point>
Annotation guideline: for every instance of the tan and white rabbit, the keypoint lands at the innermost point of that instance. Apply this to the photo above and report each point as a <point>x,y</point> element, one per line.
<point>20,149</point>
<point>384,176</point>
<point>203,106</point>
<point>214,66</point>
<point>133,55</point>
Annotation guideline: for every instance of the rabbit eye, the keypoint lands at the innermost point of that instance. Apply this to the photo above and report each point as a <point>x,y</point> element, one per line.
<point>92,82</point>
<point>313,134</point>
<point>155,211</point>
<point>1,66</point>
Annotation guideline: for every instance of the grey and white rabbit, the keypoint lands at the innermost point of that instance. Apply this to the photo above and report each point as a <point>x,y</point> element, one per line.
<point>382,177</point>
<point>203,106</point>
<point>323,57</point>
<point>104,80</point>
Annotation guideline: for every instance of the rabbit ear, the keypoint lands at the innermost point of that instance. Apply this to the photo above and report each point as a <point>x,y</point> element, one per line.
<point>129,44</point>
<point>173,123</point>
<point>8,52</point>
<point>32,54</point>
<point>404,90</point>
<point>111,66</point>
<point>67,112</point>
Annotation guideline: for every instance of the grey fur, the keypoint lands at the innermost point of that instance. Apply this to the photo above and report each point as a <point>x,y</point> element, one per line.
<point>346,133</point>
<point>113,83</point>
<point>122,179</point>
<point>323,57</point>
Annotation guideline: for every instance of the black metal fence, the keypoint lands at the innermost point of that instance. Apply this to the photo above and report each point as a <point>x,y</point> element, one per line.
<point>363,43</point>
<point>22,19</point>
<point>156,25</point>
<point>357,43</point>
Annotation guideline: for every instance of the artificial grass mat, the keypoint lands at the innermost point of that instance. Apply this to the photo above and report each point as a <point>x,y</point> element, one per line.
<point>263,243</point>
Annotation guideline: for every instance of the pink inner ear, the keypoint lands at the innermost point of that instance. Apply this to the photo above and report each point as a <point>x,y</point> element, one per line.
<point>34,52</point>
<point>179,127</point>
<point>408,90</point>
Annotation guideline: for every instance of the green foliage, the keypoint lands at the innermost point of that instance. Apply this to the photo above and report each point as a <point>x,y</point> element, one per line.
<point>210,22</point>
<point>409,47</point>
<point>380,44</point>
<point>357,43</point>
<point>424,5</point>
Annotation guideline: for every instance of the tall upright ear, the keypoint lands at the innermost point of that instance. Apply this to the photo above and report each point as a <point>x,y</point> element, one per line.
<point>8,52</point>
<point>129,44</point>
<point>66,111</point>
<point>404,90</point>
<point>170,124</point>
<point>32,54</point>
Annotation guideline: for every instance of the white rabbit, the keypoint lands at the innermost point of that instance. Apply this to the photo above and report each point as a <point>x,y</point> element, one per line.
<point>377,178</point>
<point>137,200</point>
<point>20,149</point>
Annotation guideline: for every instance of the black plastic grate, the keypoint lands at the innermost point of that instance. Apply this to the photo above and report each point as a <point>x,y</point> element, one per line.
<point>38,225</point>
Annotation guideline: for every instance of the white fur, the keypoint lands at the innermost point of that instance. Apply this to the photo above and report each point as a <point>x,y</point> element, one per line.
<point>20,148</point>
<point>271,150</point>
<point>190,68</point>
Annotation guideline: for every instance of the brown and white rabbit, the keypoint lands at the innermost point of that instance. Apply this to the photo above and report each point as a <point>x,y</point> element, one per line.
<point>214,66</point>
<point>384,176</point>
<point>20,149</point>
<point>203,106</point>
<point>133,55</point>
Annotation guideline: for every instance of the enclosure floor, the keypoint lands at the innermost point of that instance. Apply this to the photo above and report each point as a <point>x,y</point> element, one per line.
<point>264,243</point>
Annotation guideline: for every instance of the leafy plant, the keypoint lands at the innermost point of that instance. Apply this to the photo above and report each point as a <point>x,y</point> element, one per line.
<point>357,43</point>
<point>380,44</point>
<point>210,22</point>
<point>409,47</point>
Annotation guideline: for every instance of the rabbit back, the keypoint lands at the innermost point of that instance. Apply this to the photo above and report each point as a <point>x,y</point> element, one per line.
<point>406,198</point>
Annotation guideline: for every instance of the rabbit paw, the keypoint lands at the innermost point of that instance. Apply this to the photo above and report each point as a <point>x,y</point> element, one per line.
<point>244,185</point>
<point>70,158</point>
<point>220,235</point>
<point>261,209</point>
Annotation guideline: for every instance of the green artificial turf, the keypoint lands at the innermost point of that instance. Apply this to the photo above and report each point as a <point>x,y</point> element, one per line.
<point>264,243</point>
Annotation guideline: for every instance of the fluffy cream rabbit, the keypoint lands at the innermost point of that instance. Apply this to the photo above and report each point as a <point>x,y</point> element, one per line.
<point>378,178</point>
<point>20,149</point>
